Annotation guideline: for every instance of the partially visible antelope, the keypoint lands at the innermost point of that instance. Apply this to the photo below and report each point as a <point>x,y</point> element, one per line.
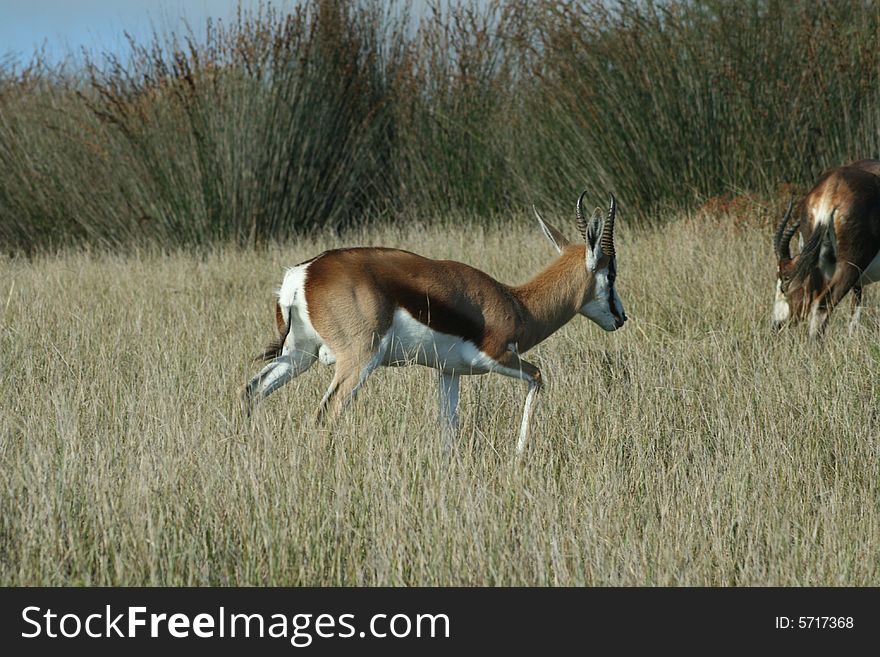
<point>364,307</point>
<point>840,247</point>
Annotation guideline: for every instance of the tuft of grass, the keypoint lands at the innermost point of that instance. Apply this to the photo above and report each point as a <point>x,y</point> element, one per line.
<point>693,447</point>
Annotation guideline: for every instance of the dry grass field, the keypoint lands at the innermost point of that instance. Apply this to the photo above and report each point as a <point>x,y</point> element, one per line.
<point>693,447</point>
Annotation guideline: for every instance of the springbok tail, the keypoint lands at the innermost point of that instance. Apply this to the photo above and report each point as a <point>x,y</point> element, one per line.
<point>277,345</point>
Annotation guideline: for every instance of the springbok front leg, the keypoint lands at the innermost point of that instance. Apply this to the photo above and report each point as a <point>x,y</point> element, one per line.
<point>448,388</point>
<point>514,366</point>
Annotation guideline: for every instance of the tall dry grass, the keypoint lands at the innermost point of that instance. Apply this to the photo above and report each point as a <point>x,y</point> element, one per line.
<point>692,447</point>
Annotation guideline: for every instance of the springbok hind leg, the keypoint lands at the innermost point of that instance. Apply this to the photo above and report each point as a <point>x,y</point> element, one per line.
<point>349,377</point>
<point>275,374</point>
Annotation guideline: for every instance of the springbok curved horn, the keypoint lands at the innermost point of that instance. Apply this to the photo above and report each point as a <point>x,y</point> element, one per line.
<point>579,213</point>
<point>608,228</point>
<point>782,239</point>
<point>786,237</point>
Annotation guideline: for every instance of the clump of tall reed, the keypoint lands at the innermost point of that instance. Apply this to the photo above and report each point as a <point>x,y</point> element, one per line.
<point>342,112</point>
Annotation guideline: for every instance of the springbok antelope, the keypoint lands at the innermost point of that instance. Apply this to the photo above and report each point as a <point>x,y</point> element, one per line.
<point>364,307</point>
<point>840,241</point>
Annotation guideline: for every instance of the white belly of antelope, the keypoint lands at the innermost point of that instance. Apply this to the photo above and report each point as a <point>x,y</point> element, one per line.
<point>408,341</point>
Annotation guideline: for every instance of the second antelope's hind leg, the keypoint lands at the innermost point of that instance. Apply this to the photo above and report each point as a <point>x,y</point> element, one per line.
<point>278,371</point>
<point>856,309</point>
<point>845,277</point>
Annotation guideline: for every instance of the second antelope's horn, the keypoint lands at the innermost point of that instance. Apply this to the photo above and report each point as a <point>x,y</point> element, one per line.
<point>782,239</point>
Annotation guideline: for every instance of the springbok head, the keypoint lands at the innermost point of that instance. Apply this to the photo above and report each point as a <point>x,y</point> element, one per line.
<point>602,303</point>
<point>795,276</point>
<point>605,308</point>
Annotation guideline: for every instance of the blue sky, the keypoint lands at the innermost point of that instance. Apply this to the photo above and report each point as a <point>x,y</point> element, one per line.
<point>61,26</point>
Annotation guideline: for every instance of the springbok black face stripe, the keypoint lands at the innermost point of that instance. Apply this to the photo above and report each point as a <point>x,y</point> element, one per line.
<point>612,304</point>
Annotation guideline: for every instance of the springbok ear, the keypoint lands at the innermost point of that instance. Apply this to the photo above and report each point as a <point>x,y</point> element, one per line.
<point>599,233</point>
<point>592,235</point>
<point>594,228</point>
<point>592,231</point>
<point>556,238</point>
